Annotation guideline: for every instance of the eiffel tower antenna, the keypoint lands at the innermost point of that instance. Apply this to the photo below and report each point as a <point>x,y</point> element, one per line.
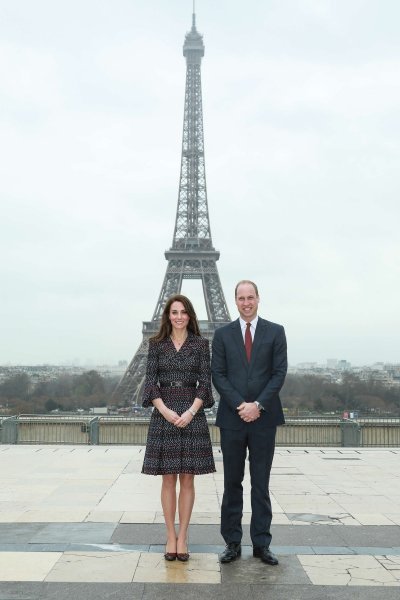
<point>192,254</point>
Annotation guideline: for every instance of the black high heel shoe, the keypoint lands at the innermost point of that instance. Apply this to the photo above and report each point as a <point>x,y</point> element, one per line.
<point>183,556</point>
<point>170,556</point>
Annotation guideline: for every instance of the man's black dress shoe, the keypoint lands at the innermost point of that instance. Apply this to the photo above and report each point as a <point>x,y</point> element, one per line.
<point>231,552</point>
<point>266,555</point>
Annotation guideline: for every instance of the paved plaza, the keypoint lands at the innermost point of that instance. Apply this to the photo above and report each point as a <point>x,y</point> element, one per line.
<point>83,522</point>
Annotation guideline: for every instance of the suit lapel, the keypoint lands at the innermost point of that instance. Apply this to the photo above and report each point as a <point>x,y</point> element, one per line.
<point>258,336</point>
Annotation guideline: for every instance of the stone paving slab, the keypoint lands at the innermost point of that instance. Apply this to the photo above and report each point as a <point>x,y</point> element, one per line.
<point>95,533</point>
<point>151,534</point>
<point>351,570</point>
<point>27,566</point>
<point>198,549</point>
<point>82,521</point>
<point>154,591</point>
<point>11,533</point>
<point>372,535</point>
<point>94,567</point>
<point>249,570</point>
<point>119,567</point>
<point>201,568</point>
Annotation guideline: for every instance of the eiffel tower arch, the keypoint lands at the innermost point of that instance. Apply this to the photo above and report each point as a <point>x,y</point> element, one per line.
<point>192,254</point>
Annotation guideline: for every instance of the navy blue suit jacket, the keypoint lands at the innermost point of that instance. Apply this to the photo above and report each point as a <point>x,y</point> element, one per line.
<point>237,380</point>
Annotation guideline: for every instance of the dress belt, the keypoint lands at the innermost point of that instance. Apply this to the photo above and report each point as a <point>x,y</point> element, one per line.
<point>182,384</point>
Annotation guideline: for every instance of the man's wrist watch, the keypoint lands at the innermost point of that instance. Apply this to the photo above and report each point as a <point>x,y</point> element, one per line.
<point>259,406</point>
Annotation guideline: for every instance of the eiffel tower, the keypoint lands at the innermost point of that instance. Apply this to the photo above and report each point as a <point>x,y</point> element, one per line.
<point>192,254</point>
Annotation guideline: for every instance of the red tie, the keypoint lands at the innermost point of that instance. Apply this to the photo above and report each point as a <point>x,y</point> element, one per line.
<point>248,342</point>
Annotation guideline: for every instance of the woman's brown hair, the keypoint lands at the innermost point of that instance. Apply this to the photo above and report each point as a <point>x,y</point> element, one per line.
<point>166,327</point>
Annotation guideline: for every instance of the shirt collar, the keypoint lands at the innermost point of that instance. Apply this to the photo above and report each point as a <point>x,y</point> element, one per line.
<point>244,323</point>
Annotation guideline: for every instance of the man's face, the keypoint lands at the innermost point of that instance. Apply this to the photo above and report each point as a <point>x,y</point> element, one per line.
<point>247,301</point>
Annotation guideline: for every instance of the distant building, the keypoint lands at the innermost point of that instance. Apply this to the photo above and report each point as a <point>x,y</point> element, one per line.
<point>331,363</point>
<point>306,366</point>
<point>343,365</point>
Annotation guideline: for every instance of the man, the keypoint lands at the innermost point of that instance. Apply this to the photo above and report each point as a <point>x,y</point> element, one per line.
<point>249,364</point>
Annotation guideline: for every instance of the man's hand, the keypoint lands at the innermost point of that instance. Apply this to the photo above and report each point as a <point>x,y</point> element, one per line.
<point>248,411</point>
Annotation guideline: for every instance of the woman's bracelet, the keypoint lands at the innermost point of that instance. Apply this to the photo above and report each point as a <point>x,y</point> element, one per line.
<point>192,412</point>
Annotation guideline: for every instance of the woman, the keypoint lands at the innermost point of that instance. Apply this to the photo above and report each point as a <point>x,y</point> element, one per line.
<point>178,385</point>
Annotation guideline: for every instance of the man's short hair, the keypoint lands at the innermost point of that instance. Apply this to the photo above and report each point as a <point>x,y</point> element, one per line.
<point>246,281</point>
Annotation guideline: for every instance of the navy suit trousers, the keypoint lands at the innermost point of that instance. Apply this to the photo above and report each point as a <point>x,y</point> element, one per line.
<point>259,444</point>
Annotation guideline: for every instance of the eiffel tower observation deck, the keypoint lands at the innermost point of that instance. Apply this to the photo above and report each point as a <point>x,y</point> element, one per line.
<point>192,254</point>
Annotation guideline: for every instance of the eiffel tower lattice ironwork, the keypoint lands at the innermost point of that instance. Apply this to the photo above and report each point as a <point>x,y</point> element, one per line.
<point>192,255</point>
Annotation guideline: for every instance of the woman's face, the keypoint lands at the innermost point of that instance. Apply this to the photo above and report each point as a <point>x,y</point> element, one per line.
<point>178,316</point>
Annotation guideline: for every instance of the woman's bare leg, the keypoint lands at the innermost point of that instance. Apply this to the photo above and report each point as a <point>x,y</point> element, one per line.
<point>185,507</point>
<point>168,502</point>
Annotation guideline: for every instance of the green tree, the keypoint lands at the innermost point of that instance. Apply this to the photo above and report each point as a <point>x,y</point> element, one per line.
<point>18,386</point>
<point>88,384</point>
<point>51,405</point>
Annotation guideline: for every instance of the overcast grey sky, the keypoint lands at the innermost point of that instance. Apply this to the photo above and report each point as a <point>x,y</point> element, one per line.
<point>302,136</point>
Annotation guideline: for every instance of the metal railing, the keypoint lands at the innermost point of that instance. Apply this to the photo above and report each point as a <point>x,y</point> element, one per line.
<point>127,430</point>
<point>122,430</point>
<point>385,432</point>
<point>311,431</point>
<point>8,430</point>
<point>43,429</point>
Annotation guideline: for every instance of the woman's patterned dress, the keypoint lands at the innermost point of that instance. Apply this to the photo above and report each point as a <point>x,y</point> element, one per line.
<point>172,449</point>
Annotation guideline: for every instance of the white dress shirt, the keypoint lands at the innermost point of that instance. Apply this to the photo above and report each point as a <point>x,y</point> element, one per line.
<point>253,325</point>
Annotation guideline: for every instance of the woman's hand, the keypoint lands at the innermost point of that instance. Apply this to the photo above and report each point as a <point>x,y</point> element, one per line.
<point>170,415</point>
<point>184,419</point>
